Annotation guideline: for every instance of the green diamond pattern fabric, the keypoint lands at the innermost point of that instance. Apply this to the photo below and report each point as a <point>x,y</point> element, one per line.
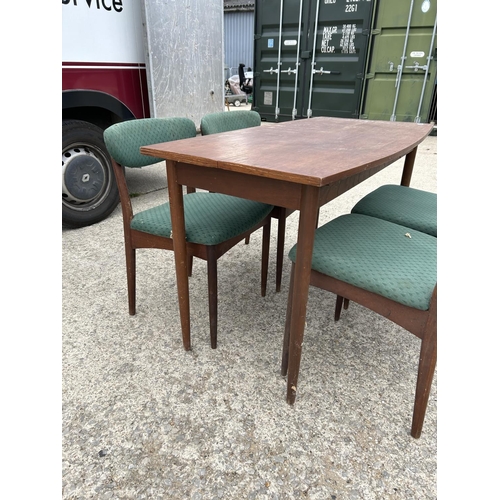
<point>124,139</point>
<point>215,123</point>
<point>402,205</point>
<point>210,218</point>
<point>378,256</point>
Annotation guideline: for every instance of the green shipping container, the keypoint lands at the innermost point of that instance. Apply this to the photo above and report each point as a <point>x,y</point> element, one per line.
<point>372,59</point>
<point>402,70</point>
<point>310,57</point>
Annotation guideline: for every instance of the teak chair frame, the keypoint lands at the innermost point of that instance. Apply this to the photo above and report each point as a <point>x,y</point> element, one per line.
<point>210,253</point>
<point>422,324</point>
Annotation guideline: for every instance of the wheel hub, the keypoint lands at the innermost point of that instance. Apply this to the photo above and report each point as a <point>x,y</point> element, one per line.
<point>83,176</point>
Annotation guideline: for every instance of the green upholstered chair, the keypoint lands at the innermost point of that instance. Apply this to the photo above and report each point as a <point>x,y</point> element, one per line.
<point>214,222</point>
<point>216,123</point>
<point>403,205</point>
<point>388,268</point>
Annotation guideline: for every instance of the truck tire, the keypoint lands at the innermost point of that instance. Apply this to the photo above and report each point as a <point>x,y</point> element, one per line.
<point>89,190</point>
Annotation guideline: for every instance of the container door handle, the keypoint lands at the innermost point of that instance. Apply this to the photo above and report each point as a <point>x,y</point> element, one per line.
<point>417,66</point>
<point>321,71</point>
<point>396,84</point>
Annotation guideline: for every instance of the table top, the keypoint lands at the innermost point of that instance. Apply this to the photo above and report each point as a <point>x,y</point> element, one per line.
<point>315,151</point>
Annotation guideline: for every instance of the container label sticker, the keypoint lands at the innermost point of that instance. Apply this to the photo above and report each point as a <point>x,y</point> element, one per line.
<point>417,53</point>
<point>268,98</point>
<point>270,43</point>
<point>290,42</point>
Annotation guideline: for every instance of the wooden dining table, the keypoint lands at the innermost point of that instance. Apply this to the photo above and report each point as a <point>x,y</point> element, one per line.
<point>300,165</point>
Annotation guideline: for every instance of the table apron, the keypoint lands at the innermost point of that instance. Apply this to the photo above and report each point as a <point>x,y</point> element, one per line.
<point>276,192</point>
<point>272,191</point>
<point>331,191</point>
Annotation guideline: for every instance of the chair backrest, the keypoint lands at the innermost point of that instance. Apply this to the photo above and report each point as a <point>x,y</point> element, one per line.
<point>224,121</point>
<point>124,139</point>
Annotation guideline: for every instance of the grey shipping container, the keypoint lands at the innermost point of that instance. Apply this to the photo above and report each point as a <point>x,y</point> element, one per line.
<point>317,58</point>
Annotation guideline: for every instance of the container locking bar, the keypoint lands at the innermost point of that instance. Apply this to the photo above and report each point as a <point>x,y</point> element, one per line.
<point>313,62</point>
<point>427,66</point>
<point>277,109</point>
<point>297,63</point>
<point>400,66</point>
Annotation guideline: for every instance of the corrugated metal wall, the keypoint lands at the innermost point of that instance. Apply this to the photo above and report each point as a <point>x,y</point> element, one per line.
<point>238,40</point>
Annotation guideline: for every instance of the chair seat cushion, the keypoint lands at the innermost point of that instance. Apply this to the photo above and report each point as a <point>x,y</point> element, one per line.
<point>403,205</point>
<point>210,218</point>
<point>378,256</point>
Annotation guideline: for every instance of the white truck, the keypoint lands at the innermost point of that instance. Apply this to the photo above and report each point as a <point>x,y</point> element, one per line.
<point>127,59</point>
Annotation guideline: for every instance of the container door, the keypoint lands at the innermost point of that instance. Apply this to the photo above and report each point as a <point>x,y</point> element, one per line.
<point>310,57</point>
<point>338,46</point>
<point>402,71</point>
<point>277,73</point>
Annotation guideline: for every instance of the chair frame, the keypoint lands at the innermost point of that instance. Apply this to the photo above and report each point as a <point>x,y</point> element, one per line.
<point>422,324</point>
<point>210,253</point>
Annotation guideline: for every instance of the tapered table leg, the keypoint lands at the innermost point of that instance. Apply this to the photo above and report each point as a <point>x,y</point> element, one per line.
<point>408,167</point>
<point>180,250</point>
<point>305,242</point>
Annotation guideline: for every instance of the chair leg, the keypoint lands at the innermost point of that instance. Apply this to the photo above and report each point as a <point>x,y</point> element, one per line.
<point>266,238</point>
<point>280,247</point>
<point>212,294</point>
<point>190,265</point>
<point>338,307</point>
<point>426,367</point>
<point>286,336</point>
<point>130,262</point>
<point>247,240</point>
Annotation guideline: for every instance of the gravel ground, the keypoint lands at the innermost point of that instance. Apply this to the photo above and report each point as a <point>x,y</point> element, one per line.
<point>144,419</point>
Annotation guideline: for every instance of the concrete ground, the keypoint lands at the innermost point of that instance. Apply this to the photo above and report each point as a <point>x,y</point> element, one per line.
<point>144,419</point>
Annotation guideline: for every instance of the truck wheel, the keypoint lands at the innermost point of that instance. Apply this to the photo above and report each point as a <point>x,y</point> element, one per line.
<point>237,103</point>
<point>89,190</point>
